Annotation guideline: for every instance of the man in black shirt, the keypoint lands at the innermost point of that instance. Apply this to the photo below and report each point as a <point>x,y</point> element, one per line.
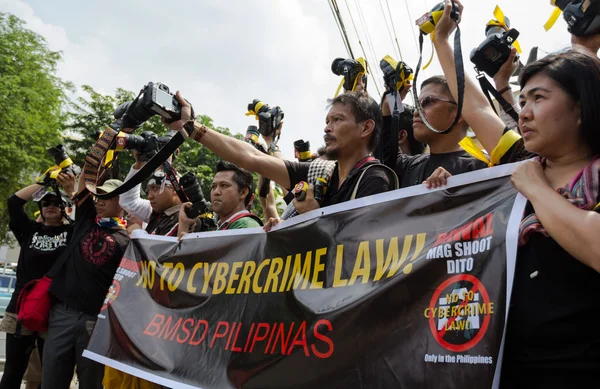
<point>440,109</point>
<point>353,126</point>
<point>94,254</point>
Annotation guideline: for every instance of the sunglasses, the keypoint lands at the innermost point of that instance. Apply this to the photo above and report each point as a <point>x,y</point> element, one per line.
<point>50,203</point>
<point>429,100</point>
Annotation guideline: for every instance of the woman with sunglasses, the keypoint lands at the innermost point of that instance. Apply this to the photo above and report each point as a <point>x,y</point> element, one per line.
<point>552,339</point>
<point>41,244</point>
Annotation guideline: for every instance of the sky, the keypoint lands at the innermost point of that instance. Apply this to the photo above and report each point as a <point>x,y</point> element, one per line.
<point>222,54</point>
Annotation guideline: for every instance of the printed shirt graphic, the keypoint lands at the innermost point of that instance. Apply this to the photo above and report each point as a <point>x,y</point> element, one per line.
<point>41,246</point>
<point>98,247</point>
<point>43,242</point>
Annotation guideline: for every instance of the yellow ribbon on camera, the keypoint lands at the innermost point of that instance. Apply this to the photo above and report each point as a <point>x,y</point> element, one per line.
<point>501,22</point>
<point>403,79</point>
<point>361,61</point>
<point>553,17</point>
<point>256,110</point>
<point>56,169</point>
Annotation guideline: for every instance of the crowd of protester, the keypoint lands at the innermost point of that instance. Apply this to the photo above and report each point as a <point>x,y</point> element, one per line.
<point>551,340</point>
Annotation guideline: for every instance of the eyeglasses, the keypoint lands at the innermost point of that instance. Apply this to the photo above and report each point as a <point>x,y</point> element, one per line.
<point>49,203</point>
<point>427,101</point>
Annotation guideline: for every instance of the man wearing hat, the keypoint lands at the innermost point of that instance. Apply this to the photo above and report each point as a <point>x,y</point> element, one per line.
<point>93,256</point>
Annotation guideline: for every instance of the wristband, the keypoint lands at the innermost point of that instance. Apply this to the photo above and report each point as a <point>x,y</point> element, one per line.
<point>198,134</point>
<point>507,88</point>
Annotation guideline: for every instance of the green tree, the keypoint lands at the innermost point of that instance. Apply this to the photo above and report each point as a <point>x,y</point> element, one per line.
<point>31,102</point>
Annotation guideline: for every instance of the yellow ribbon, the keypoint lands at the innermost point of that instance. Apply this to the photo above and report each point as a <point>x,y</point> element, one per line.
<point>553,18</point>
<point>256,109</point>
<point>504,144</point>
<point>361,61</point>
<point>304,154</point>
<point>432,52</point>
<point>403,79</point>
<point>55,170</point>
<point>501,22</point>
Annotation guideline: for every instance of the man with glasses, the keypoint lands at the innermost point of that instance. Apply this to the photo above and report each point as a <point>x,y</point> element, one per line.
<point>161,210</point>
<point>440,109</point>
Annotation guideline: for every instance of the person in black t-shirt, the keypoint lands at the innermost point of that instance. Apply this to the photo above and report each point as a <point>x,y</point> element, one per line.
<point>440,109</point>
<point>41,244</point>
<point>353,126</point>
<point>552,340</point>
<point>94,253</point>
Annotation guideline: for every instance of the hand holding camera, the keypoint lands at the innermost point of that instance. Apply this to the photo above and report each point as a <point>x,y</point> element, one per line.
<point>447,24</point>
<point>502,76</point>
<point>185,116</point>
<point>304,198</point>
<point>67,181</point>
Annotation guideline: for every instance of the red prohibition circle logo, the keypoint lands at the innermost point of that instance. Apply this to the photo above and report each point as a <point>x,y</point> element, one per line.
<point>459,312</point>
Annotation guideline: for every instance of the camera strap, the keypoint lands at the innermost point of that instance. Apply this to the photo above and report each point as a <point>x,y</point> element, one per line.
<point>171,175</point>
<point>488,89</point>
<point>94,171</point>
<point>460,81</point>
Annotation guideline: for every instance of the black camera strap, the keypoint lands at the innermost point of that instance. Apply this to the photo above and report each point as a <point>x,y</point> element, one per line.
<point>488,89</point>
<point>171,175</point>
<point>460,80</point>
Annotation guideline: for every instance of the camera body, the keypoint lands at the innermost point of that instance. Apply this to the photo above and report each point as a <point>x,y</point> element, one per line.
<point>302,150</point>
<point>494,51</point>
<point>191,187</point>
<point>60,156</point>
<point>252,137</point>
<point>269,119</point>
<point>393,76</point>
<point>348,68</point>
<point>155,99</point>
<point>581,21</point>
<point>428,21</point>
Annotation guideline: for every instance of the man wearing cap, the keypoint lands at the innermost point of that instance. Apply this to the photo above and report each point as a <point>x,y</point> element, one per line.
<point>93,256</point>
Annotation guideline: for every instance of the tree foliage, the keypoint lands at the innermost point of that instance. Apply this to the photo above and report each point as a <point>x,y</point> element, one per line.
<point>31,102</point>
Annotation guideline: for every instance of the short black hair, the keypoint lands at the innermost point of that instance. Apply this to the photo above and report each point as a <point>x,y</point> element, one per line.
<point>437,80</point>
<point>406,123</point>
<point>364,107</point>
<point>241,177</point>
<point>578,74</point>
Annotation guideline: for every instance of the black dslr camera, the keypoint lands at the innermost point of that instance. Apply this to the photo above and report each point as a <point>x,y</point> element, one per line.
<point>392,76</point>
<point>494,51</point>
<point>583,17</point>
<point>349,69</point>
<point>269,119</point>
<point>154,99</point>
<point>61,159</point>
<point>191,187</point>
<point>302,150</point>
<point>252,136</point>
<point>147,143</point>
